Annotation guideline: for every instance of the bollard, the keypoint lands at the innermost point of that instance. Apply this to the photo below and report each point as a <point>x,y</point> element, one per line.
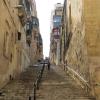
<point>37,84</point>
<point>35,93</point>
<point>29,97</point>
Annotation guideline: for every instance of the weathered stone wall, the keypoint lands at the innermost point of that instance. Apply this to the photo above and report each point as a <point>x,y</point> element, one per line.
<point>92,36</point>
<point>8,27</point>
<point>14,52</point>
<point>36,51</point>
<point>76,55</point>
<point>83,54</point>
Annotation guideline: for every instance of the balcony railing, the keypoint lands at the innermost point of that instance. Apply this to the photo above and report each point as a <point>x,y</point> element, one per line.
<point>39,40</point>
<point>35,22</point>
<point>32,22</point>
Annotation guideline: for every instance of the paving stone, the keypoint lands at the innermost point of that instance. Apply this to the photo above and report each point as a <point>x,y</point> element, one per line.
<point>57,85</point>
<point>21,87</point>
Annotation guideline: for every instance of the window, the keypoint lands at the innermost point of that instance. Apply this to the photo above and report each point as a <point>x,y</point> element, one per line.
<point>11,57</point>
<point>19,36</point>
<point>35,22</point>
<point>56,21</point>
<point>6,44</point>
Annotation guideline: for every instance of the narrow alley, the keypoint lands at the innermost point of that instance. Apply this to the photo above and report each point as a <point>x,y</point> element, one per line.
<point>55,85</point>
<point>49,49</point>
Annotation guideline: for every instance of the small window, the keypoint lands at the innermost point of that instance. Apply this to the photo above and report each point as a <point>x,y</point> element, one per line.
<point>11,57</point>
<point>19,36</point>
<point>6,44</point>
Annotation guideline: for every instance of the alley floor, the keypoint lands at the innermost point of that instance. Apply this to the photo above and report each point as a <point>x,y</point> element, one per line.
<point>21,87</point>
<point>57,85</point>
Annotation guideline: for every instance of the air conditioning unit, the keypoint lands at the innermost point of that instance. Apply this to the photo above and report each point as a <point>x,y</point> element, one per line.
<point>19,6</point>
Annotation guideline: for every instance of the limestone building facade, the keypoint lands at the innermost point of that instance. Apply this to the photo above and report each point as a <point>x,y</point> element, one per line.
<point>16,29</point>
<point>56,17</point>
<point>80,40</point>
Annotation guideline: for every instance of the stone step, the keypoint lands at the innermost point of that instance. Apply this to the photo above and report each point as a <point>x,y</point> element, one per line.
<point>21,87</point>
<point>55,86</point>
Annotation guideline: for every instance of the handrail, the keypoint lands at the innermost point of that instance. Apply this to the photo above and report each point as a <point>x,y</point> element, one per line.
<point>78,76</point>
<point>36,84</point>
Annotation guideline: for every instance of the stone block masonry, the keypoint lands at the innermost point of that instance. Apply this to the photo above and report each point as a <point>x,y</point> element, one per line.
<point>14,49</point>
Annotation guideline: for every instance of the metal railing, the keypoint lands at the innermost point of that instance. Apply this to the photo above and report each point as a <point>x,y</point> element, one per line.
<point>36,84</point>
<point>78,77</point>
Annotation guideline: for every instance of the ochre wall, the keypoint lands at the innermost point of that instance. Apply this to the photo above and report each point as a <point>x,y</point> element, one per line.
<point>92,36</point>
<point>76,55</point>
<point>14,53</point>
<point>83,54</point>
<point>8,31</point>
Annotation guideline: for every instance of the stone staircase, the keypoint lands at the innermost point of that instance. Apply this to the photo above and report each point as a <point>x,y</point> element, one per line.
<point>21,87</point>
<point>56,85</point>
